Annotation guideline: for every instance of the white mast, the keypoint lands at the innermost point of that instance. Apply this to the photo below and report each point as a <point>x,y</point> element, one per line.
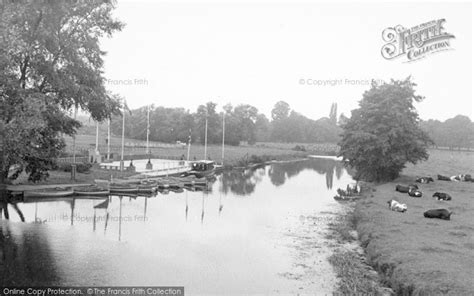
<point>205,141</point>
<point>74,140</point>
<point>123,137</point>
<point>108,139</point>
<point>223,136</point>
<point>97,137</point>
<point>189,144</point>
<point>148,130</point>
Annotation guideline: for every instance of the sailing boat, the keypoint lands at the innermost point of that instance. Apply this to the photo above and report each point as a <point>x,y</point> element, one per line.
<point>221,166</point>
<point>202,168</point>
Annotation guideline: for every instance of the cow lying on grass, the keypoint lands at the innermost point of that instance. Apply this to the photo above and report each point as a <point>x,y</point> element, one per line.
<point>425,180</point>
<point>442,196</point>
<point>411,189</point>
<point>463,178</point>
<point>405,189</point>
<point>457,178</point>
<point>414,192</point>
<point>396,206</point>
<point>438,213</point>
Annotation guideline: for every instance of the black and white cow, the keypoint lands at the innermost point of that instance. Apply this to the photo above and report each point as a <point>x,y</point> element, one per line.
<point>406,189</point>
<point>438,213</point>
<point>425,180</point>
<point>462,178</point>
<point>414,192</point>
<point>402,189</point>
<point>442,196</point>
<point>396,206</point>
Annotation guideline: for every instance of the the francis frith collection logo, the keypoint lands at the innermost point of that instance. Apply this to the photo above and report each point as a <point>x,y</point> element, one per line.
<point>417,42</point>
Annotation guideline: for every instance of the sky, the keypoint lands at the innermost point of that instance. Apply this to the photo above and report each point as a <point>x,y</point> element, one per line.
<point>309,54</point>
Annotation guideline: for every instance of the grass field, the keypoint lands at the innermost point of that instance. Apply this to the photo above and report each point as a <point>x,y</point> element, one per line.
<point>233,154</point>
<point>416,255</point>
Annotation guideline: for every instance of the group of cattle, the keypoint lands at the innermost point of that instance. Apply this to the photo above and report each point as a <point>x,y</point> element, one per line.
<point>456,178</point>
<point>414,191</point>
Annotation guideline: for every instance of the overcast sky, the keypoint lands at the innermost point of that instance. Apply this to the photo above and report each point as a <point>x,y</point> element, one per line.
<point>179,54</point>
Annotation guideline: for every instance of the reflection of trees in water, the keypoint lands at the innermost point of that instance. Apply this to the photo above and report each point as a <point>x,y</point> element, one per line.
<point>25,255</point>
<point>26,258</point>
<point>5,200</point>
<point>241,182</point>
<point>244,182</point>
<point>279,172</point>
<point>339,169</point>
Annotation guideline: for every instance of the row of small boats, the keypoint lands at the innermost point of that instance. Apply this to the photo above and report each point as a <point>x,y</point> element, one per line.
<point>136,186</point>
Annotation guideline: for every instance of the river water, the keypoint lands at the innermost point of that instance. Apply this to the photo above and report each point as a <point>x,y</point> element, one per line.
<point>257,232</point>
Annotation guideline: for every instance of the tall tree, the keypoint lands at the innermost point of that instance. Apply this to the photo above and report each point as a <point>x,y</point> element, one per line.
<point>262,127</point>
<point>383,134</point>
<point>280,111</point>
<point>333,113</point>
<point>247,116</point>
<point>50,62</point>
<point>459,131</point>
<point>213,123</point>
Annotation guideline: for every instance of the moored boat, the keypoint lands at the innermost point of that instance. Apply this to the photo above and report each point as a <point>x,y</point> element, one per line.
<point>346,198</point>
<point>351,193</point>
<point>201,169</point>
<point>177,190</point>
<point>123,188</point>
<point>91,191</point>
<point>147,188</point>
<point>49,192</point>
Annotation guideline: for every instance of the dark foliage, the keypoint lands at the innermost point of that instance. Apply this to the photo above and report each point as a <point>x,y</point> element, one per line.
<point>383,134</point>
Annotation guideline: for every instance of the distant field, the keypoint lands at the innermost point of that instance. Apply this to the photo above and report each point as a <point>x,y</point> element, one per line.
<point>166,150</point>
<point>420,256</point>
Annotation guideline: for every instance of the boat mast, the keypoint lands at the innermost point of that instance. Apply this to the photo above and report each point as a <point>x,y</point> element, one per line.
<point>123,137</point>
<point>97,138</point>
<point>148,130</point>
<point>189,144</point>
<point>223,136</point>
<point>74,140</point>
<point>205,140</point>
<point>108,139</point>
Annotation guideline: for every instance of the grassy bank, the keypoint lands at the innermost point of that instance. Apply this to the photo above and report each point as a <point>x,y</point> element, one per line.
<point>413,254</point>
<point>355,275</point>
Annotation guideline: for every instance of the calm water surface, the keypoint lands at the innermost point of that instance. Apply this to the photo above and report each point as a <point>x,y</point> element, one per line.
<point>256,232</point>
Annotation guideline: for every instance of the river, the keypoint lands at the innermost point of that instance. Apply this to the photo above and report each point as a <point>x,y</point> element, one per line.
<point>256,232</point>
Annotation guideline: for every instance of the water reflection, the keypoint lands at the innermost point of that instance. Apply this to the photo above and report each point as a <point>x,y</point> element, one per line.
<point>21,248</point>
<point>4,202</point>
<point>281,172</point>
<point>244,182</point>
<point>241,182</point>
<point>145,238</point>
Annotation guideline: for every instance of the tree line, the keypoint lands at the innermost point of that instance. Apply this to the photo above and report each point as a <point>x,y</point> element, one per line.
<point>243,123</point>
<point>454,133</point>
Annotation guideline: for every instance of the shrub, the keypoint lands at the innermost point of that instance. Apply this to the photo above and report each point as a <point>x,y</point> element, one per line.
<point>80,167</point>
<point>299,148</point>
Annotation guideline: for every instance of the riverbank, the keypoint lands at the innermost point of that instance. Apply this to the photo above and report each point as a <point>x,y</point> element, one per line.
<point>354,274</point>
<point>412,254</point>
<point>235,158</point>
